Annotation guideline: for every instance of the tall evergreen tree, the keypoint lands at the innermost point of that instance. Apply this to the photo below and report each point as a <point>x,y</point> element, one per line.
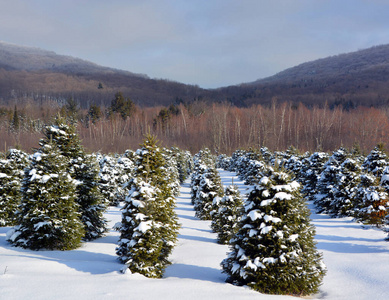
<point>48,216</point>
<point>141,243</point>
<point>150,168</point>
<point>84,171</point>
<point>89,198</point>
<point>274,250</point>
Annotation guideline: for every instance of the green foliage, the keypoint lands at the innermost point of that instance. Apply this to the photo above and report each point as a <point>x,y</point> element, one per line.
<point>15,120</point>
<point>82,169</point>
<point>226,218</point>
<point>109,180</point>
<point>140,244</point>
<point>65,137</point>
<point>48,216</point>
<point>149,209</point>
<point>310,173</point>
<point>371,200</point>
<point>345,187</point>
<point>124,107</point>
<point>209,189</point>
<point>376,161</point>
<point>325,191</point>
<point>11,175</point>
<point>94,113</point>
<point>274,250</point>
<point>91,203</point>
<point>184,163</point>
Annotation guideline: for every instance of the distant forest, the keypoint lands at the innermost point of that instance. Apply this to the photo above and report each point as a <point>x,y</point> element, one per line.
<point>221,127</point>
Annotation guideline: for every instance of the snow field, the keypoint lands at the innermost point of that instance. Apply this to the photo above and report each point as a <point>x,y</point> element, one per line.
<point>357,260</point>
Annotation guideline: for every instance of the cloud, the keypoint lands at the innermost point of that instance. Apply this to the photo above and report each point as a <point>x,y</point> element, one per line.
<point>207,42</point>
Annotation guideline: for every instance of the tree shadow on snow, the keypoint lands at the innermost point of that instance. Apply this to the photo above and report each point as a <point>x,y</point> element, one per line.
<point>79,259</point>
<point>188,217</point>
<point>196,238</point>
<point>185,208</point>
<point>198,229</point>
<point>337,238</point>
<point>339,247</point>
<point>185,203</point>
<point>185,271</point>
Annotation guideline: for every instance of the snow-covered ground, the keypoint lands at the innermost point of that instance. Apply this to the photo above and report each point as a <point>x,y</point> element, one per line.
<point>357,261</point>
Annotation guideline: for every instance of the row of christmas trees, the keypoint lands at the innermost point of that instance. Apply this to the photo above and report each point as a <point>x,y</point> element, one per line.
<point>56,197</point>
<point>270,234</point>
<point>345,183</point>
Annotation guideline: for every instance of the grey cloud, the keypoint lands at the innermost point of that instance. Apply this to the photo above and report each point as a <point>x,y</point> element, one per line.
<point>206,42</point>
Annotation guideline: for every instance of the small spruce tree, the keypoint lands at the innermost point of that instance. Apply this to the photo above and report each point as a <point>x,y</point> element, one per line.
<point>141,243</point>
<point>150,169</point>
<point>325,191</point>
<point>91,203</point>
<point>371,201</point>
<point>225,220</point>
<point>345,187</point>
<point>48,216</point>
<point>82,169</point>
<point>376,161</point>
<point>210,188</point>
<point>11,175</point>
<point>274,250</point>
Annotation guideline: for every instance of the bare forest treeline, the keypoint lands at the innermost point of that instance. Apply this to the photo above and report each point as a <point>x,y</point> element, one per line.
<point>221,127</point>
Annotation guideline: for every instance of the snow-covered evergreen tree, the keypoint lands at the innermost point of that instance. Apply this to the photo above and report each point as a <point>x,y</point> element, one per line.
<point>150,167</point>
<point>243,165</point>
<point>254,172</point>
<point>171,166</point>
<point>82,169</point>
<point>225,220</point>
<point>201,161</point>
<point>274,250</point>
<point>184,163</point>
<point>325,191</point>
<point>235,158</point>
<point>89,198</point>
<point>345,187</point>
<point>266,154</point>
<point>140,244</point>
<point>110,177</point>
<point>371,201</point>
<point>210,187</point>
<point>223,162</point>
<point>65,137</point>
<point>48,216</point>
<point>376,161</point>
<point>11,174</point>
<point>195,181</point>
<point>310,173</point>
<point>125,167</point>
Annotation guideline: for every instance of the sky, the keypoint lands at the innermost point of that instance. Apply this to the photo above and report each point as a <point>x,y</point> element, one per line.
<point>210,43</point>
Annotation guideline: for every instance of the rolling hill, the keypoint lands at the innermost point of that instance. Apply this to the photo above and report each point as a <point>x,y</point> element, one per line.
<point>37,73</point>
<point>351,79</point>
